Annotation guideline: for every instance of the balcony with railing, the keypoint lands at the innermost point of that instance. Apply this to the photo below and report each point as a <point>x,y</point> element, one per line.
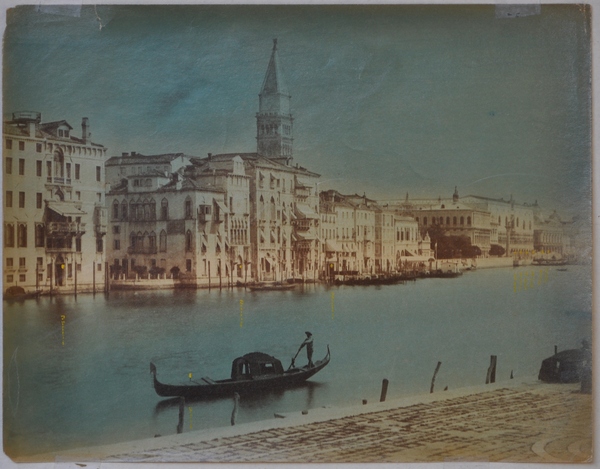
<point>142,250</point>
<point>100,229</point>
<point>64,228</point>
<point>58,250</point>
<point>58,180</point>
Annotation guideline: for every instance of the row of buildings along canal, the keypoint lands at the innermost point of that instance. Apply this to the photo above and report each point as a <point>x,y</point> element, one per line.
<point>76,219</point>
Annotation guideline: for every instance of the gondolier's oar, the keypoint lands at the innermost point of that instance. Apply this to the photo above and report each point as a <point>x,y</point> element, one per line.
<point>294,359</point>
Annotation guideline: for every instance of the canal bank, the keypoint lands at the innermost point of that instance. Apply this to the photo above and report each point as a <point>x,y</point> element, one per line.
<point>512,421</point>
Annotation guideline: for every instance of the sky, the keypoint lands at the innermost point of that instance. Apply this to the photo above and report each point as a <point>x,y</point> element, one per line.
<point>386,100</point>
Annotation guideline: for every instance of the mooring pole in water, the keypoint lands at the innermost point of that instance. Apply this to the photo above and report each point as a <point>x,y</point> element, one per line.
<point>491,373</point>
<point>437,368</point>
<point>555,349</point>
<point>106,282</point>
<point>236,400</point>
<point>384,388</point>
<point>181,413</point>
<point>364,401</point>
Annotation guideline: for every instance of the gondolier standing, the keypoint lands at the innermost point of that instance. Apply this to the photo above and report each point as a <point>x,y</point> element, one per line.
<point>308,342</point>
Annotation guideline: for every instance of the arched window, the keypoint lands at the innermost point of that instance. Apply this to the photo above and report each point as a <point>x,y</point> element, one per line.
<point>469,221</point>
<point>424,221</point>
<point>261,208</point>
<point>447,220</point>
<point>188,207</point>
<point>115,213</point>
<point>441,220</point>
<point>9,235</point>
<point>162,241</point>
<point>124,210</point>
<point>454,221</point>
<point>133,240</point>
<point>517,222</point>
<point>147,209</point>
<point>59,161</point>
<point>40,235</point>
<point>164,209</point>
<point>462,220</point>
<point>499,220</point>
<point>152,241</point>
<point>188,240</point>
<point>21,235</point>
<point>273,214</point>
<point>152,207</point>
<point>140,240</point>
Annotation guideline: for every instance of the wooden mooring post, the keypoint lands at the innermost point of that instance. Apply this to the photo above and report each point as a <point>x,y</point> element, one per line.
<point>437,368</point>
<point>491,372</point>
<point>236,401</point>
<point>384,388</point>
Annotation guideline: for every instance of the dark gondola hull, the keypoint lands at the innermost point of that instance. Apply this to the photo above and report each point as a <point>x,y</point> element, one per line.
<point>563,367</point>
<point>226,388</point>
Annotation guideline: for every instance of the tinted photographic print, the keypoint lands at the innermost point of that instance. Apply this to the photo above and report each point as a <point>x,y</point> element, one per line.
<point>297,234</point>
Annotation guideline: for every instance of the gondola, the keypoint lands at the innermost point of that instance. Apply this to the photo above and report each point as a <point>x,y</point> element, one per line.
<point>253,372</point>
<point>271,286</point>
<point>564,367</point>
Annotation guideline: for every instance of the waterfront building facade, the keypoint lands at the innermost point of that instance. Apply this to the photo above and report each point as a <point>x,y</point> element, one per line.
<point>170,228</point>
<point>512,222</point>
<point>361,237</point>
<point>268,208</point>
<point>131,164</point>
<point>412,250</point>
<point>54,215</point>
<point>549,237</point>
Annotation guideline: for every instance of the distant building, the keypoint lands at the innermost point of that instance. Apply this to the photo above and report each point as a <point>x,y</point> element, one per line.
<point>413,251</point>
<point>551,240</point>
<point>361,237</point>
<point>510,221</point>
<point>54,215</point>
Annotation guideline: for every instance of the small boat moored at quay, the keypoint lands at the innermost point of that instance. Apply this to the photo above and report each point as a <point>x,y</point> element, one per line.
<point>250,373</point>
<point>271,286</point>
<point>568,366</point>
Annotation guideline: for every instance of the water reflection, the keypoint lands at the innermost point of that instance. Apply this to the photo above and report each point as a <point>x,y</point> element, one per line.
<point>248,400</point>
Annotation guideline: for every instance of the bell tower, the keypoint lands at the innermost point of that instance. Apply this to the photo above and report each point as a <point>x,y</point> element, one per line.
<point>274,122</point>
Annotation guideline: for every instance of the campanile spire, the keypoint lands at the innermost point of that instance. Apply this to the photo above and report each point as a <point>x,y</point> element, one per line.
<point>274,122</point>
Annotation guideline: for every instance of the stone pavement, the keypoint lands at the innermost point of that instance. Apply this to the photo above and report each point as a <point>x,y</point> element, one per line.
<point>532,422</point>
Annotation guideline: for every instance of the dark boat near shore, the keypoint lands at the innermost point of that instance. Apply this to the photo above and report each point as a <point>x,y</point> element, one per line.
<point>374,280</point>
<point>271,286</point>
<point>442,274</point>
<point>567,366</point>
<point>16,293</point>
<point>253,372</point>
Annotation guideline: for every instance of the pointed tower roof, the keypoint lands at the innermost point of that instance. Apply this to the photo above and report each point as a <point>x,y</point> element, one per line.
<point>274,82</point>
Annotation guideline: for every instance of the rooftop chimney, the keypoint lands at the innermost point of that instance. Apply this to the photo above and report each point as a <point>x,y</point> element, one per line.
<point>86,135</point>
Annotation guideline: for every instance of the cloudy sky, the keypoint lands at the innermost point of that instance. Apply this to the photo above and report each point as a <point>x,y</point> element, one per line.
<point>386,100</point>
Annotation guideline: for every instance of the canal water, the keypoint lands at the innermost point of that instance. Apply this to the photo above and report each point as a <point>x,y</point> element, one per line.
<point>76,370</point>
